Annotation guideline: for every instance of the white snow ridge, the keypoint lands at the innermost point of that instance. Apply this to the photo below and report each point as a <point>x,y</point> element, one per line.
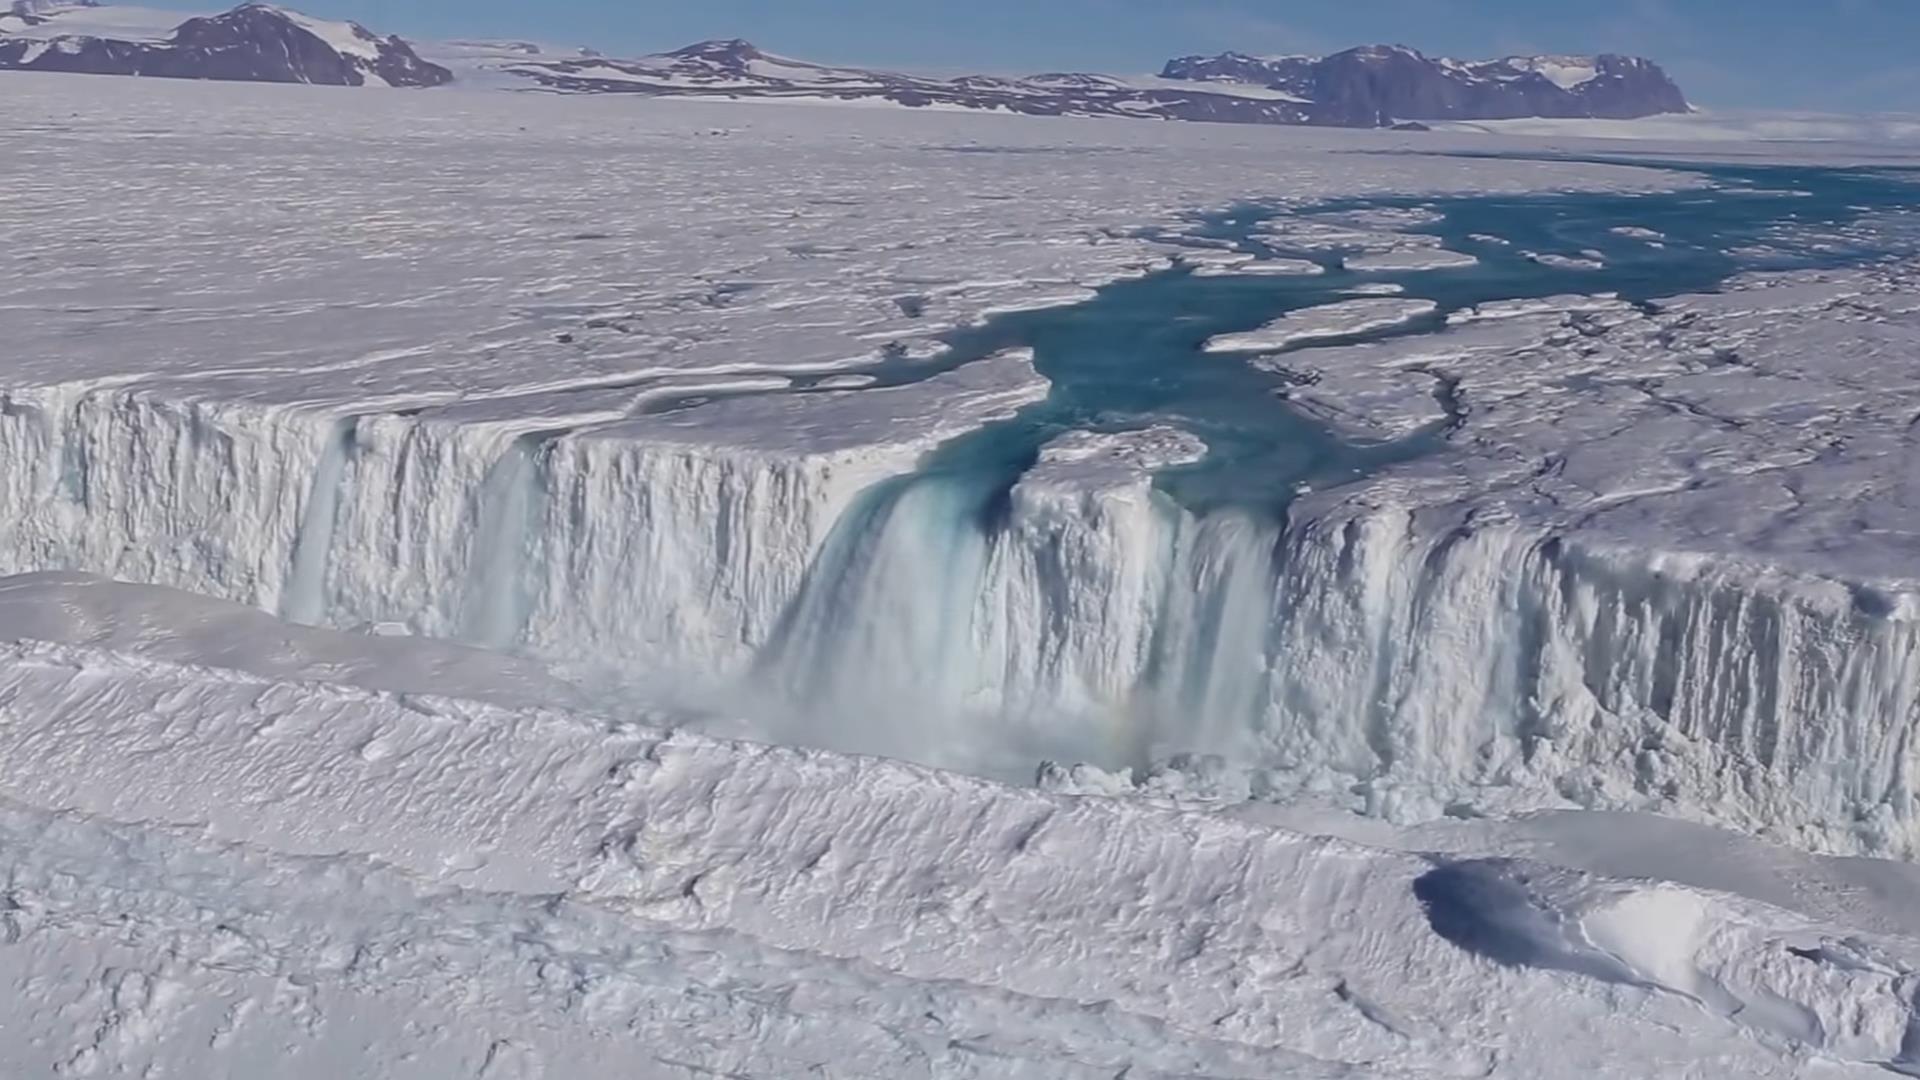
<point>512,585</point>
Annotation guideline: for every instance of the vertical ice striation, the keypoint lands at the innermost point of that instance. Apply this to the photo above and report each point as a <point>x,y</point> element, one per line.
<point>202,495</point>
<point>660,547</point>
<point>1116,624</point>
<point>676,559</point>
<point>1485,660</point>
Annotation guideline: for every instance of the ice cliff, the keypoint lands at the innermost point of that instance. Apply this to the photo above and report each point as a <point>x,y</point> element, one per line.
<point>1413,654</point>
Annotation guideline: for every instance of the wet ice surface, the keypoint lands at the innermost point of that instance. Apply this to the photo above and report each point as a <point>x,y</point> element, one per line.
<point>1343,319</point>
<point>1367,651</point>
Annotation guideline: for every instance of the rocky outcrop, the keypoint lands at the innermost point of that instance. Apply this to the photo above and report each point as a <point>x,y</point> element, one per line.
<point>737,69</point>
<point>1376,86</point>
<point>251,43</point>
<point>1379,85</point>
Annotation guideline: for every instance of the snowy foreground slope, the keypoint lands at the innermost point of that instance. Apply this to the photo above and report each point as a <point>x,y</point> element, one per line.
<point>211,869</point>
<point>533,519</point>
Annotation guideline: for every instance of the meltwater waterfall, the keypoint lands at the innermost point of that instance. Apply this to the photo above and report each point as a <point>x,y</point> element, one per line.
<point>1097,623</point>
<point>1113,572</point>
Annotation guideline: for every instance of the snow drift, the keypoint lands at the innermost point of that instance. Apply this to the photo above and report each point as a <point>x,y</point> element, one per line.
<point>582,877</point>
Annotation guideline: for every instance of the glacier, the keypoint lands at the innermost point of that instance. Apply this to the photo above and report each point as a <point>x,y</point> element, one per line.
<point>796,564</point>
<point>1428,660</point>
<point>771,629</point>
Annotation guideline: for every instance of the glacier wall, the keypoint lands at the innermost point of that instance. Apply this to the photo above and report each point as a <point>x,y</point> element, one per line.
<point>666,555</point>
<point>202,495</point>
<point>1412,666</point>
<point>1048,615</point>
<point>1488,656</point>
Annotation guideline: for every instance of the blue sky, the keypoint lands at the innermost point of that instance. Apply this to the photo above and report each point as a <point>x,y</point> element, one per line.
<point>1827,54</point>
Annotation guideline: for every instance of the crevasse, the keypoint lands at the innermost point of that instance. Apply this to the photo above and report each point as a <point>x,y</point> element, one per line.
<point>1411,665</point>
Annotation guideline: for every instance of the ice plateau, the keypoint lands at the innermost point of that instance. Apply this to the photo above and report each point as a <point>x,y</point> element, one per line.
<point>508,586</point>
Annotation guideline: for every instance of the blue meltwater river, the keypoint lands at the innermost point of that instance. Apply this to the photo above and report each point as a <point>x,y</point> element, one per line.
<point>926,630</point>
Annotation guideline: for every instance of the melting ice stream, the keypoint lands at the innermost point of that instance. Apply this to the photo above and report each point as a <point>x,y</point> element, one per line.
<point>1006,603</point>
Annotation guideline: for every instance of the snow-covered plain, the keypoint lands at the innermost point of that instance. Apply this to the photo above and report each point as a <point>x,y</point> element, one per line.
<point>629,419</point>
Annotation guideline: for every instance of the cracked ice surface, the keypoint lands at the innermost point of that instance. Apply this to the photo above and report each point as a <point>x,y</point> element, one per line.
<point>462,236</point>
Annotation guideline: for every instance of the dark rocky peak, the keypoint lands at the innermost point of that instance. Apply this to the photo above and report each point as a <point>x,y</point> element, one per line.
<point>1628,86</point>
<point>1284,72</point>
<point>1383,84</point>
<point>727,54</point>
<point>259,23</point>
<point>1371,86</point>
<point>1377,85</point>
<point>264,43</point>
<point>255,42</point>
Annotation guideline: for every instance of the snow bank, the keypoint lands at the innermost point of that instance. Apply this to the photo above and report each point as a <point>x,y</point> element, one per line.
<point>407,850</point>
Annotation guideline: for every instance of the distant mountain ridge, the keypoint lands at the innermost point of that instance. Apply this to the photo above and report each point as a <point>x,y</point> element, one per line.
<point>254,42</point>
<point>737,69</point>
<point>1383,83</point>
<point>1371,86</point>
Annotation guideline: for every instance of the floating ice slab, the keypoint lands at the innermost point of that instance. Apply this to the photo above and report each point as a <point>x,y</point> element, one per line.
<point>1565,262</point>
<point>1412,259</point>
<point>1547,305</point>
<point>1376,288</point>
<point>1395,388</point>
<point>1266,267</point>
<point>1348,318</point>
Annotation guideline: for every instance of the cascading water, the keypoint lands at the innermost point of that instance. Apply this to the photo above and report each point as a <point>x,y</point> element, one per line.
<point>305,598</point>
<point>883,617</point>
<point>1215,650</point>
<point>494,609</point>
